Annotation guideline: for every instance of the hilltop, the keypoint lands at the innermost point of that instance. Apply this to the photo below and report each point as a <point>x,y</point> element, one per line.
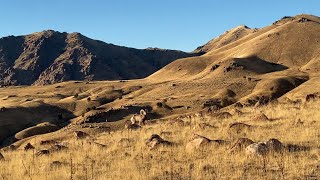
<point>49,57</point>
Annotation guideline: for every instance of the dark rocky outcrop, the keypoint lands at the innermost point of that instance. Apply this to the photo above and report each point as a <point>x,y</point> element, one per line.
<point>49,57</point>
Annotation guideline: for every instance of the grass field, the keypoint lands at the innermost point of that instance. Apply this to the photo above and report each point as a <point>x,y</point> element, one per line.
<point>126,155</point>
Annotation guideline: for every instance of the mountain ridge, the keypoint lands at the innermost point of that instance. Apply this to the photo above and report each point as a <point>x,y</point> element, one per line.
<point>49,57</point>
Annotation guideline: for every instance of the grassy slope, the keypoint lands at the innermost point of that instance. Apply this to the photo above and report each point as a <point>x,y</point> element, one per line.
<point>133,160</point>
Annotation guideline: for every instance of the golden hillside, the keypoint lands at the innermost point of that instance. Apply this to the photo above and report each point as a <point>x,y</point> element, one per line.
<point>259,84</point>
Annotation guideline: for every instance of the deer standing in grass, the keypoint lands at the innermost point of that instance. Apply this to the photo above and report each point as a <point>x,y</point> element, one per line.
<point>139,118</point>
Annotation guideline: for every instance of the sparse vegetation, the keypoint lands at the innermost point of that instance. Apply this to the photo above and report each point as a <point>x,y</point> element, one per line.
<point>83,159</point>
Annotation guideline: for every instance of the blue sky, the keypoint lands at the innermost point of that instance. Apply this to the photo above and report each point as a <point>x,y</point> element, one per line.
<point>171,24</point>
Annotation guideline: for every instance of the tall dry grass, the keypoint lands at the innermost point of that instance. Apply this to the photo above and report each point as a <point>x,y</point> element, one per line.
<point>127,157</point>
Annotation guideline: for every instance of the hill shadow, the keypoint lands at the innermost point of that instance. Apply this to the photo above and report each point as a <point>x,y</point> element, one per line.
<point>16,119</point>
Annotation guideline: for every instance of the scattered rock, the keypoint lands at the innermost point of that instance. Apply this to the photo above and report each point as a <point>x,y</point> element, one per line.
<point>302,20</point>
<point>57,164</point>
<point>132,126</point>
<point>274,145</point>
<point>222,115</point>
<point>257,149</point>
<point>155,141</point>
<point>42,152</point>
<point>46,142</point>
<point>28,147</point>
<point>238,105</point>
<point>263,100</point>
<point>241,144</point>
<point>176,121</point>
<point>237,112</point>
<point>208,170</point>
<point>311,97</point>
<point>166,133</point>
<point>239,127</point>
<point>58,147</point>
<point>214,67</point>
<point>206,126</point>
<point>80,135</point>
<point>97,144</point>
<point>198,142</point>
<point>296,148</point>
<point>9,148</point>
<point>125,142</point>
<point>261,117</point>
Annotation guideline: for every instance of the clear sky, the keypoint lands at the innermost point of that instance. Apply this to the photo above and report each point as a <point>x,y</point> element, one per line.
<point>171,24</point>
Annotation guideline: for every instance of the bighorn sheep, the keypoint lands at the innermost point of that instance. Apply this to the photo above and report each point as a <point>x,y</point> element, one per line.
<point>140,118</point>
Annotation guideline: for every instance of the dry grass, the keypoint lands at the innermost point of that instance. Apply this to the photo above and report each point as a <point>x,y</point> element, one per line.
<point>127,157</point>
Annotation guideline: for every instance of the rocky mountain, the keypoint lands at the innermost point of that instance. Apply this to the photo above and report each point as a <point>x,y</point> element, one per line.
<point>49,57</point>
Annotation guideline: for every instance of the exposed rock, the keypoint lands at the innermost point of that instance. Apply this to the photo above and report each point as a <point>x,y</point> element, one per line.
<point>311,97</point>
<point>274,145</point>
<point>1,157</point>
<point>97,144</point>
<point>222,115</point>
<point>237,112</point>
<point>241,144</point>
<point>28,147</point>
<point>49,57</point>
<point>238,105</point>
<point>198,142</point>
<point>214,67</point>
<point>45,142</point>
<point>57,164</point>
<point>296,148</point>
<point>206,126</point>
<point>177,121</point>
<point>58,147</point>
<point>257,149</point>
<point>155,141</point>
<point>125,142</point>
<point>261,117</point>
<point>42,152</point>
<point>239,127</point>
<point>80,135</point>
<point>9,148</point>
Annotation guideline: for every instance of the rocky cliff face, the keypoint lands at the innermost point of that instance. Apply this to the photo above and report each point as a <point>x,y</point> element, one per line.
<point>49,57</point>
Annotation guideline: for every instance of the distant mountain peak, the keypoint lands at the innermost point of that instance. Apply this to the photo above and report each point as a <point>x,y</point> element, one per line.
<point>50,56</point>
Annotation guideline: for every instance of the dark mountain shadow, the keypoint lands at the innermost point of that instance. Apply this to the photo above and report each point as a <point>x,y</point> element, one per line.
<point>13,120</point>
<point>258,65</point>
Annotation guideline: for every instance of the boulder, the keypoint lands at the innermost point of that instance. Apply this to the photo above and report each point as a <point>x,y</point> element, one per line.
<point>261,117</point>
<point>58,147</point>
<point>257,149</point>
<point>223,115</point>
<point>198,142</point>
<point>80,135</point>
<point>42,152</point>
<point>155,141</point>
<point>241,144</point>
<point>274,145</point>
<point>239,127</point>
<point>28,147</point>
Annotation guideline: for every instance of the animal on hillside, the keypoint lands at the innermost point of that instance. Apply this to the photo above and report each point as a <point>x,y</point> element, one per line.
<point>139,118</point>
